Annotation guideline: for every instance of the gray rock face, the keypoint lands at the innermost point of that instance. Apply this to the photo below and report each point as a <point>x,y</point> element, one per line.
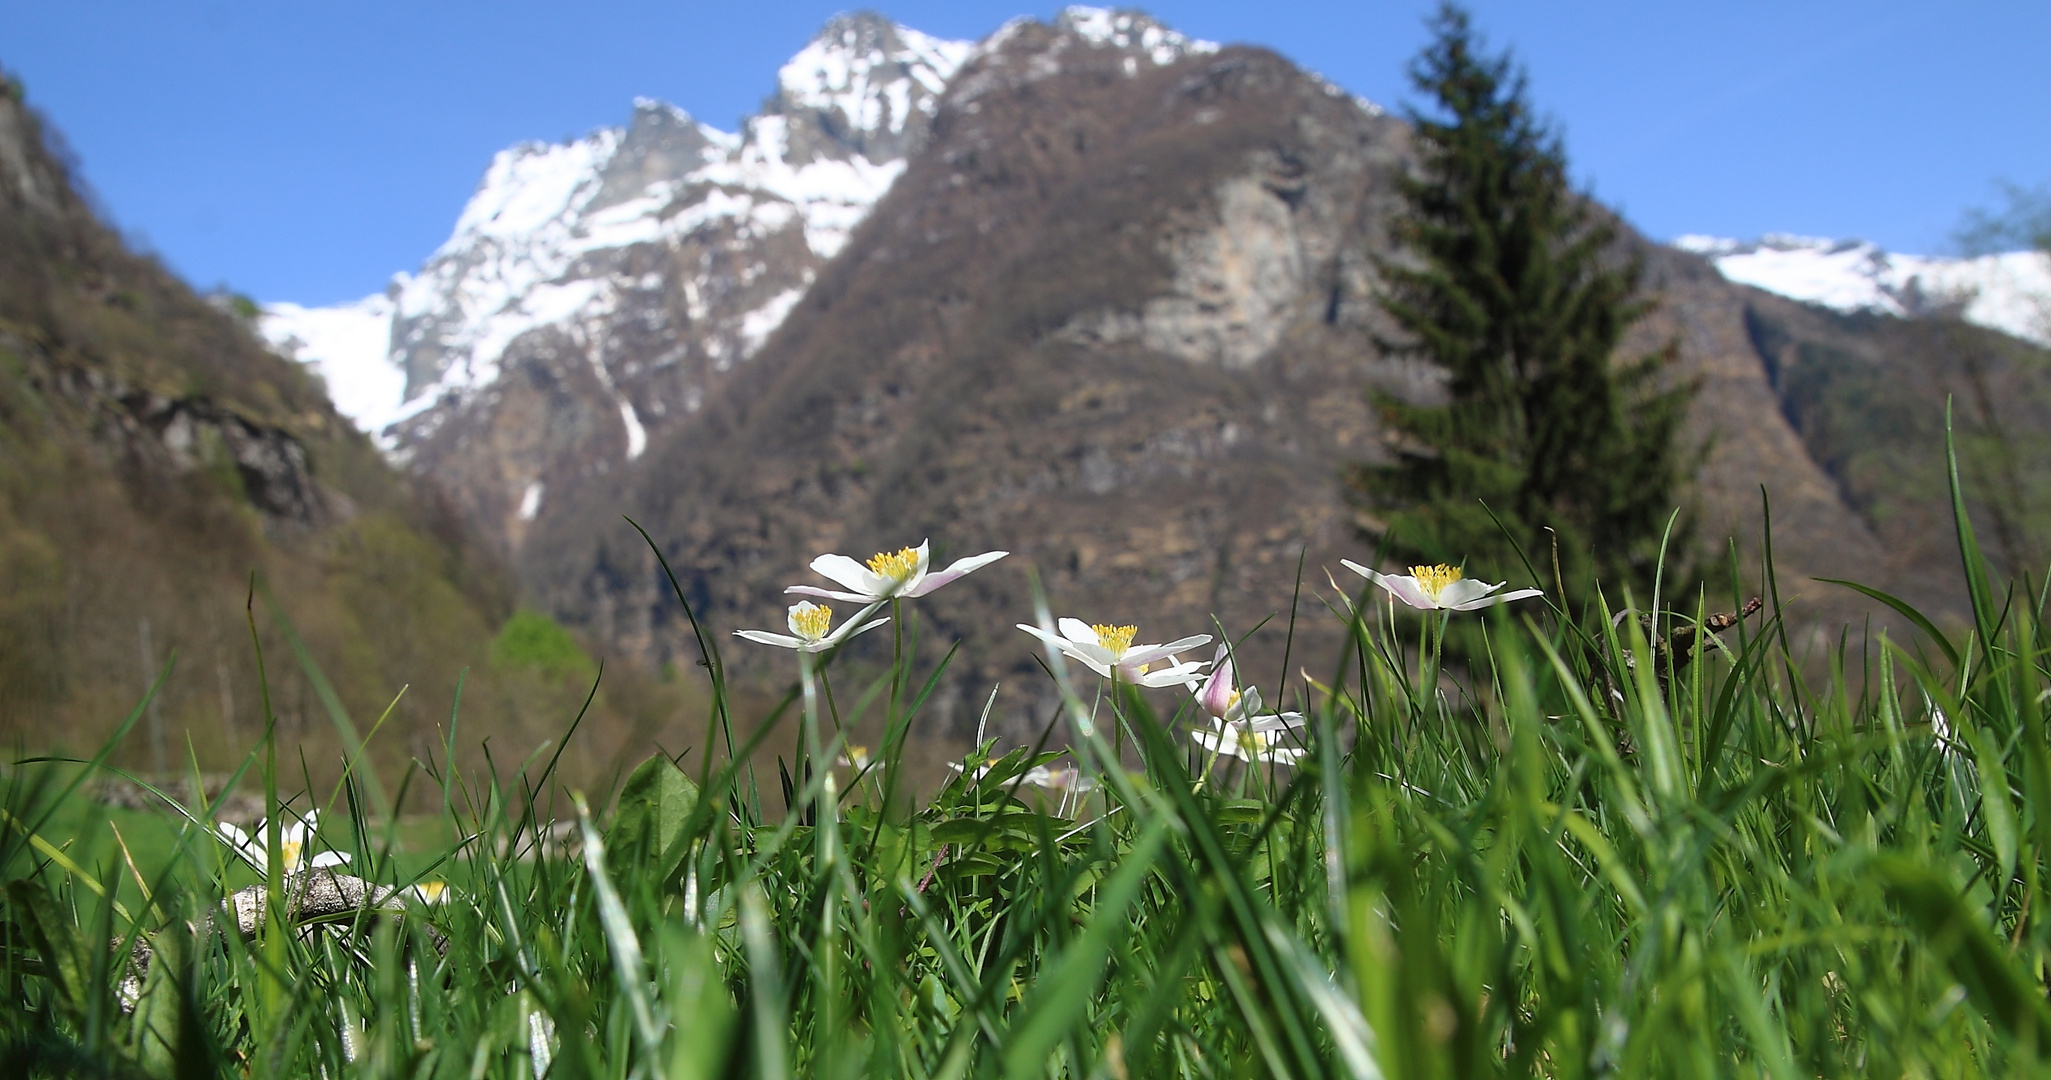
<point>596,294</point>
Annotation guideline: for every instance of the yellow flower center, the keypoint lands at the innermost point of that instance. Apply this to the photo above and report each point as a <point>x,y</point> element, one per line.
<point>1434,578</point>
<point>895,565</point>
<point>1232,702</point>
<point>431,891</point>
<point>1115,638</point>
<point>811,620</point>
<point>288,852</point>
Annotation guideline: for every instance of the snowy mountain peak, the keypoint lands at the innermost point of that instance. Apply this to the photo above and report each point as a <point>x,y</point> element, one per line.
<point>864,79</point>
<point>2010,292</point>
<point>1134,31</point>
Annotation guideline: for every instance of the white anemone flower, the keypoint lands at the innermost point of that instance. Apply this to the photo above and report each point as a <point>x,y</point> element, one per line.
<point>1440,588</point>
<point>1067,778</point>
<point>294,837</point>
<point>1108,650</point>
<point>1258,739</point>
<point>889,575</point>
<point>1238,727</point>
<point>809,622</point>
<point>1226,703</point>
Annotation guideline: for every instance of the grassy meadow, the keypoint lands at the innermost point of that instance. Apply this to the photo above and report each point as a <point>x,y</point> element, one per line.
<point>1518,841</point>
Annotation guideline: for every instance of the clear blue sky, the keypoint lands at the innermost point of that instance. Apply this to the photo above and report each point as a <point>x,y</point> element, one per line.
<point>306,151</point>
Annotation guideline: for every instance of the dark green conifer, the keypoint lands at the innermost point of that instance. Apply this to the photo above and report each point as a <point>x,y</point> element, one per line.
<point>1514,285</point>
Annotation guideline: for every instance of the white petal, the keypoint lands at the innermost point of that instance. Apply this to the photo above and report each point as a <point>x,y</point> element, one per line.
<point>829,594</point>
<point>1147,654</point>
<point>1287,721</point>
<point>331,858</point>
<point>1461,593</point>
<point>926,583</point>
<point>1186,676</point>
<point>1401,586</point>
<point>847,630</point>
<point>1504,598</point>
<point>1094,663</point>
<point>766,638</point>
<point>1216,742</point>
<point>852,574</point>
<point>1405,588</point>
<point>1077,631</point>
<point>1044,635</point>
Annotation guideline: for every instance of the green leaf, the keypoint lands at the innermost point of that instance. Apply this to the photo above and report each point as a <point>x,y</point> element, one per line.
<point>656,801</point>
<point>1066,986</point>
<point>2008,998</point>
<point>1995,811</point>
<point>1921,621</point>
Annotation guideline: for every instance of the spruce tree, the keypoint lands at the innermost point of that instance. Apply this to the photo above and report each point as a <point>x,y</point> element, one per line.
<point>1514,285</point>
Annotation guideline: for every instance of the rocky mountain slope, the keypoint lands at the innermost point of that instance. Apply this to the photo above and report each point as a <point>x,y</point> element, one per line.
<point>1114,313</point>
<point>595,292</point>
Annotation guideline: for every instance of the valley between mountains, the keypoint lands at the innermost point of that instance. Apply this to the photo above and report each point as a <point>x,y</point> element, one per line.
<point>1103,296</point>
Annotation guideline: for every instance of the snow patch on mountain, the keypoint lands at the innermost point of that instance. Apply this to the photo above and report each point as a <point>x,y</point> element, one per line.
<point>348,346</point>
<point>529,248</point>
<point>1133,32</point>
<point>2010,292</point>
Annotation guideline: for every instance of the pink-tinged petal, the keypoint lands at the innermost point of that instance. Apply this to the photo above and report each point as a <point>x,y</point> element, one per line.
<point>850,573</point>
<point>1459,594</point>
<point>1504,598</point>
<point>1216,696</point>
<point>1077,631</point>
<point>828,594</point>
<point>764,637</point>
<point>928,582</point>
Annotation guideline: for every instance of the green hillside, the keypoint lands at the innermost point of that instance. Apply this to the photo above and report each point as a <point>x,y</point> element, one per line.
<point>155,460</point>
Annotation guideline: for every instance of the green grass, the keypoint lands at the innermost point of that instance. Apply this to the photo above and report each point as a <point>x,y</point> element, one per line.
<point>1571,856</point>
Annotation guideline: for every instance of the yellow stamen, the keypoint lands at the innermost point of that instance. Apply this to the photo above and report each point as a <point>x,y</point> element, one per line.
<point>1232,702</point>
<point>1115,638</point>
<point>895,565</point>
<point>811,620</point>
<point>1434,578</point>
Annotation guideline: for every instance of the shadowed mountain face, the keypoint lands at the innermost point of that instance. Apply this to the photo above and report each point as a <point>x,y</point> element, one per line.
<point>157,463</point>
<point>1121,324</point>
<point>152,456</point>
